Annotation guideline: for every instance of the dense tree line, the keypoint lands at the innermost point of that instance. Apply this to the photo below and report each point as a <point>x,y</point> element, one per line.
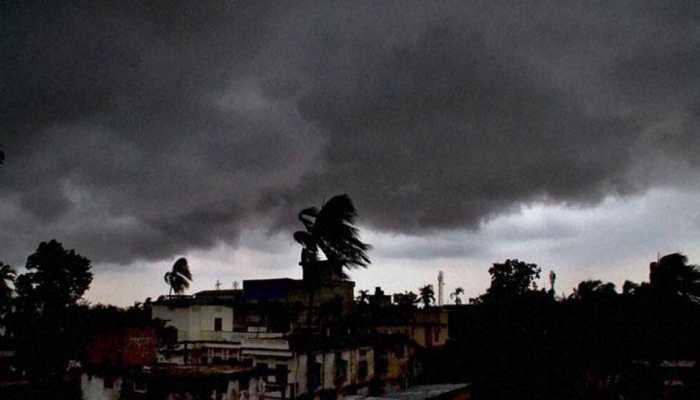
<point>44,319</point>
<point>518,341</point>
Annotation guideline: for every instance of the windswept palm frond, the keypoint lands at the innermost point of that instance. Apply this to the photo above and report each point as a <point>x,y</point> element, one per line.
<point>673,275</point>
<point>331,230</point>
<point>427,295</point>
<point>179,277</point>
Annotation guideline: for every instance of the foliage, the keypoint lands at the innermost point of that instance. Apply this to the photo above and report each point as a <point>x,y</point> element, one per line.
<point>594,289</point>
<point>363,298</point>
<point>56,278</point>
<point>512,278</point>
<point>673,276</point>
<point>406,300</point>
<point>331,230</point>
<point>629,288</point>
<point>427,295</point>
<point>594,344</point>
<point>45,306</point>
<point>179,277</point>
<point>455,295</point>
<point>7,279</point>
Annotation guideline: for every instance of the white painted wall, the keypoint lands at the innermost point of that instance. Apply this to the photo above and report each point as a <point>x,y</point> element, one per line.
<point>196,322</point>
<point>93,388</point>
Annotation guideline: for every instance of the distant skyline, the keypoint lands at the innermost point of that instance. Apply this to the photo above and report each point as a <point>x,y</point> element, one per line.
<point>556,132</point>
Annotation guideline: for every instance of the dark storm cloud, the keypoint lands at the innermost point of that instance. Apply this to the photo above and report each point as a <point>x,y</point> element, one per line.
<point>142,130</point>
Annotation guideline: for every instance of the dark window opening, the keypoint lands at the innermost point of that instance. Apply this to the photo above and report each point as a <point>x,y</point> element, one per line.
<point>140,386</point>
<point>109,382</point>
<point>362,370</point>
<point>341,370</point>
<point>281,374</point>
<point>217,324</point>
<point>382,366</point>
<point>315,376</point>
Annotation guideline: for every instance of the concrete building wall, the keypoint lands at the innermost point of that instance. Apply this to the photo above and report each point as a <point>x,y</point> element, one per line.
<point>94,387</point>
<point>196,322</point>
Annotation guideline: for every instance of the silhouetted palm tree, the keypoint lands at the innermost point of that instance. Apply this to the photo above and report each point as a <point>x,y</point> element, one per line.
<point>455,295</point>
<point>179,277</point>
<point>331,230</point>
<point>673,275</point>
<point>427,295</point>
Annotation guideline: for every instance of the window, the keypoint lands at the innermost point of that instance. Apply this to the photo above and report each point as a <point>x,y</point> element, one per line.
<point>315,375</point>
<point>140,386</point>
<point>381,366</point>
<point>109,382</point>
<point>281,372</point>
<point>217,324</point>
<point>362,370</point>
<point>341,370</point>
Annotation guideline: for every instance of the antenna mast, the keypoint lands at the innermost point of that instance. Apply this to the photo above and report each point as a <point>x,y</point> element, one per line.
<point>441,285</point>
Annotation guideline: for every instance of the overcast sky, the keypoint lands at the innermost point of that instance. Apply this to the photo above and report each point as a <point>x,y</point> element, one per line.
<point>556,132</point>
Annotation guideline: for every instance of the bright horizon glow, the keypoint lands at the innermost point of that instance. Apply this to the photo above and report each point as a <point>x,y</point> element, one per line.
<point>614,241</point>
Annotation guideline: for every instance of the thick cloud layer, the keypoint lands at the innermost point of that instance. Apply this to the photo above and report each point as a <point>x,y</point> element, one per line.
<point>143,130</point>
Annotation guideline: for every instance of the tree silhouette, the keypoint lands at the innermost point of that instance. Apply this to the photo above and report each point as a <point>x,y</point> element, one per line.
<point>55,277</point>
<point>455,295</point>
<point>593,289</point>
<point>331,231</point>
<point>7,279</point>
<point>427,295</point>
<point>511,278</point>
<point>672,275</point>
<point>363,298</point>
<point>406,299</point>
<point>179,277</point>
<point>630,288</point>
<point>47,296</point>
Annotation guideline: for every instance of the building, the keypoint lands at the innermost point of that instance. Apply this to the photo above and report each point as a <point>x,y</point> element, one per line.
<point>128,348</point>
<point>379,298</point>
<point>257,326</point>
<point>427,327</point>
<point>182,382</point>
